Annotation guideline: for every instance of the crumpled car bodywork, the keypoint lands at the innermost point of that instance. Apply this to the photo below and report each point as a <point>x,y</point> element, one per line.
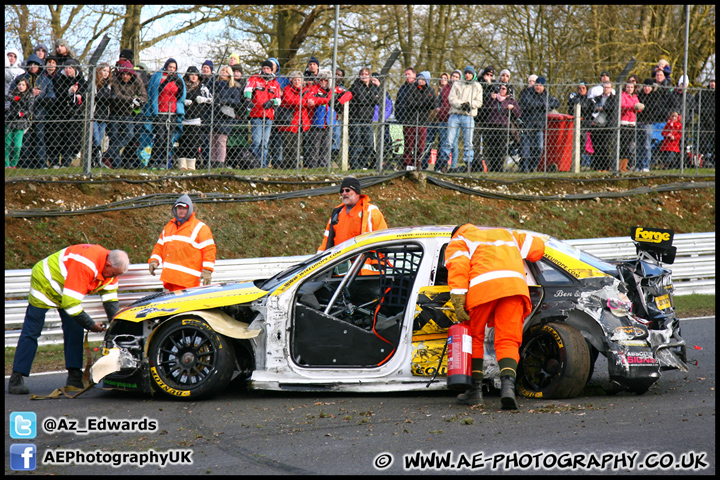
<point>326,325</point>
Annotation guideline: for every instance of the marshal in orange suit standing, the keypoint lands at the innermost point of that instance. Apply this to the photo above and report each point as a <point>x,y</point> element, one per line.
<point>186,250</point>
<point>486,275</point>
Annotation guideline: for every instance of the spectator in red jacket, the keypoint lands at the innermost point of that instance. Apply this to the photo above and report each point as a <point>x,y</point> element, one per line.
<point>265,94</point>
<point>292,112</point>
<point>319,99</point>
<point>670,147</point>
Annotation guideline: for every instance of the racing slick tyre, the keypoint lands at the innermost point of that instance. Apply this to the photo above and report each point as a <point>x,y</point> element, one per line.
<point>554,362</point>
<point>188,359</point>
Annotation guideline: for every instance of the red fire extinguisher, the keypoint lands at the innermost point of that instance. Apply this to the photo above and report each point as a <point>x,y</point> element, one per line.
<point>459,363</point>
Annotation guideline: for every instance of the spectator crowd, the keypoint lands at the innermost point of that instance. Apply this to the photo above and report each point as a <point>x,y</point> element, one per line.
<point>207,117</point>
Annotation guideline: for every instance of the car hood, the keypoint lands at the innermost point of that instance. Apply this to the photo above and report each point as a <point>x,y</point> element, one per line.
<point>191,299</point>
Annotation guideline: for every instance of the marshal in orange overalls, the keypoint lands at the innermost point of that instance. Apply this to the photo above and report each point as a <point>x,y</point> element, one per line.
<point>487,266</point>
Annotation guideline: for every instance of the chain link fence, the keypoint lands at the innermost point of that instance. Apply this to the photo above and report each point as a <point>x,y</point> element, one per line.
<point>293,125</point>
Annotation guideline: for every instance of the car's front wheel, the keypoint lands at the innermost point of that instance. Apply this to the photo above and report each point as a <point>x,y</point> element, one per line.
<point>188,359</point>
<point>554,362</point>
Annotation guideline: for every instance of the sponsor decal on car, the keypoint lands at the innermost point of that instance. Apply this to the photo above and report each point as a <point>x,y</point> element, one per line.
<point>575,267</point>
<point>656,236</point>
<point>628,332</point>
<point>638,358</point>
<point>168,389</point>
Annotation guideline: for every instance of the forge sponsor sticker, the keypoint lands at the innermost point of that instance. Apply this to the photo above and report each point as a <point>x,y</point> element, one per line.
<point>655,236</point>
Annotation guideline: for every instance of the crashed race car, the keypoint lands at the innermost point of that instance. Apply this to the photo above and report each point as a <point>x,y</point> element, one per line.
<point>325,324</point>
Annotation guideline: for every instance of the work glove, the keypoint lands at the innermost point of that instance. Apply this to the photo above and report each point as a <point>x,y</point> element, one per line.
<point>269,104</point>
<point>639,107</point>
<point>152,266</point>
<point>135,103</point>
<point>465,107</point>
<point>188,103</point>
<point>202,100</point>
<point>458,302</point>
<point>206,276</point>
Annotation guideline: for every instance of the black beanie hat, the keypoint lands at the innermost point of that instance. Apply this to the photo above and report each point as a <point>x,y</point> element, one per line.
<point>649,81</point>
<point>267,63</point>
<point>127,54</point>
<point>352,183</point>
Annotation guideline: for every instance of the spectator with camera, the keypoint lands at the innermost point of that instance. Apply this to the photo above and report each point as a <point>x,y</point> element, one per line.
<point>71,91</point>
<point>128,94</point>
<point>465,97</point>
<point>197,118</point>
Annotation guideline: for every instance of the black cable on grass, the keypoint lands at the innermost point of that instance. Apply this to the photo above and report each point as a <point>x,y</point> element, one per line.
<point>159,199</point>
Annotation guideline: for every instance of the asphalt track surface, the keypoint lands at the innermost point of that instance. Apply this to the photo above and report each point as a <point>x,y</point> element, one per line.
<point>253,432</point>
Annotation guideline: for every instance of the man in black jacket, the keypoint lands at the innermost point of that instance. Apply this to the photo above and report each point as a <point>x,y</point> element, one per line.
<point>366,94</point>
<point>604,125</point>
<point>706,107</point>
<point>535,106</point>
<point>487,80</point>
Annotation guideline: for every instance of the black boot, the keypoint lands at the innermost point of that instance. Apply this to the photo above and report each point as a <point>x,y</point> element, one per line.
<point>75,378</point>
<point>97,160</point>
<point>16,385</point>
<point>507,393</point>
<point>473,396</point>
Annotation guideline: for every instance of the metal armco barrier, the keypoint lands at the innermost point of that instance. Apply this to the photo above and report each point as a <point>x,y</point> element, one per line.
<point>693,272</point>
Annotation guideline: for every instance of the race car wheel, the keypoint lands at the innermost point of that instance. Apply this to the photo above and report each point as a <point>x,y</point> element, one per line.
<point>554,362</point>
<point>188,359</point>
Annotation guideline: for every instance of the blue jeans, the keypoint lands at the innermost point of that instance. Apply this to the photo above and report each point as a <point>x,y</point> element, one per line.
<point>261,139</point>
<point>531,148</point>
<point>644,146</point>
<point>275,150</point>
<point>98,132</point>
<point>31,331</point>
<point>122,130</point>
<point>455,123</point>
<point>442,140</point>
<point>337,137</point>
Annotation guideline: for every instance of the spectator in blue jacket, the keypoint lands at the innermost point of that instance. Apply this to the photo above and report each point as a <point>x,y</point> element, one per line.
<point>535,104</point>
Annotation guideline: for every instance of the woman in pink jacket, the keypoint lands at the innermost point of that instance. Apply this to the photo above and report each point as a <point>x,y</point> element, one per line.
<point>629,106</point>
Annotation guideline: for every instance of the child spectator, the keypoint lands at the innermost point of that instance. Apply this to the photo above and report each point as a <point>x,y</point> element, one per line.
<point>17,120</point>
<point>670,147</point>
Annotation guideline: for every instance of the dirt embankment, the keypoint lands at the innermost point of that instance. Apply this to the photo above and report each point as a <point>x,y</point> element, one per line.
<point>295,226</point>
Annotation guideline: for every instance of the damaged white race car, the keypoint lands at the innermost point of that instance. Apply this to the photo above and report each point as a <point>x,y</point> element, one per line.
<point>326,325</point>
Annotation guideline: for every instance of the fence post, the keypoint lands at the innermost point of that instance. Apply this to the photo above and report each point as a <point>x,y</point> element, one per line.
<point>87,143</point>
<point>381,118</point>
<point>577,144</point>
<point>345,133</point>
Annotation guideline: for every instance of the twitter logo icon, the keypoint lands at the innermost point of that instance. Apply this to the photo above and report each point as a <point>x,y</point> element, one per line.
<point>23,425</point>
